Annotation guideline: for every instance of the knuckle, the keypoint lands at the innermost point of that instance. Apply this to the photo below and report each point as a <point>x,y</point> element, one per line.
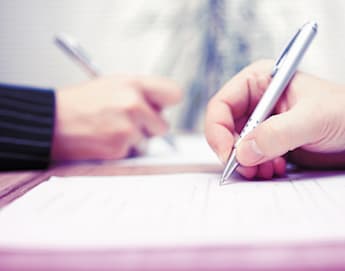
<point>133,105</point>
<point>125,131</point>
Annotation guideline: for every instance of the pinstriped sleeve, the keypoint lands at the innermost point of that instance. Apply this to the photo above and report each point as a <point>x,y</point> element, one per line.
<point>26,127</point>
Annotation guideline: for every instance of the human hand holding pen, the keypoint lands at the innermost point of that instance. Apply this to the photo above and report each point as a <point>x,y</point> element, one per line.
<point>76,52</point>
<point>107,117</point>
<point>283,70</point>
<point>308,123</point>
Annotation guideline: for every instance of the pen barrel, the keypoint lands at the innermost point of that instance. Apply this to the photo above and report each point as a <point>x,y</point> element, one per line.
<point>281,79</point>
<point>72,48</point>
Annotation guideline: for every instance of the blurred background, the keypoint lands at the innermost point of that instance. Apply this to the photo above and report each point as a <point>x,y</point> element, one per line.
<point>199,43</point>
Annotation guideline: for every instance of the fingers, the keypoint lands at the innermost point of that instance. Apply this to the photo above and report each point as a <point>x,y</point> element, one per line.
<point>230,107</point>
<point>158,91</point>
<point>219,129</point>
<point>122,142</point>
<point>243,91</point>
<point>275,167</point>
<point>105,118</point>
<point>147,119</point>
<point>276,136</point>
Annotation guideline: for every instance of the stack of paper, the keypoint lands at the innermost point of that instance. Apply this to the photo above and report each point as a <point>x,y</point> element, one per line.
<point>175,210</point>
<point>188,149</point>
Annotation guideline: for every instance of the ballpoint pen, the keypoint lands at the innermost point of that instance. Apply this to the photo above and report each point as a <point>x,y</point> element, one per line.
<point>283,70</point>
<point>73,49</point>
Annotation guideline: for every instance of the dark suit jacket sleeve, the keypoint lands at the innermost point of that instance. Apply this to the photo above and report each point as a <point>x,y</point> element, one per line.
<point>26,127</point>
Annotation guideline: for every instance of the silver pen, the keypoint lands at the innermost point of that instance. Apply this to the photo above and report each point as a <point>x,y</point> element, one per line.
<point>284,69</point>
<point>73,49</point>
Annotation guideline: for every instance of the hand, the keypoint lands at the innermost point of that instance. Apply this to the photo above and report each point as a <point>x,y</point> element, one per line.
<point>107,117</point>
<point>308,121</point>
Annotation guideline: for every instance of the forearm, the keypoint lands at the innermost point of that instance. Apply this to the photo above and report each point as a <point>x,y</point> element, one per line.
<point>26,127</point>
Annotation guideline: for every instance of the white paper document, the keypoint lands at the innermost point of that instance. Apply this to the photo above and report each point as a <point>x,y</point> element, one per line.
<point>175,210</point>
<point>190,149</point>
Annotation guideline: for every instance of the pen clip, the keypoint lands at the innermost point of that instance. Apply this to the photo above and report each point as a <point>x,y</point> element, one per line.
<point>284,53</point>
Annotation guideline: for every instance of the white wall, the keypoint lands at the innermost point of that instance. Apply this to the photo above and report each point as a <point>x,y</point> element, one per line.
<point>326,56</point>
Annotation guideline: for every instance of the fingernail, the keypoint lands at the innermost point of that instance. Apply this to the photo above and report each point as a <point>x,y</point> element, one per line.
<point>250,152</point>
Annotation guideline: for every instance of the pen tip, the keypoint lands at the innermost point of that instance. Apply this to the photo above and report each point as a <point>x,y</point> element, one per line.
<point>223,180</point>
<point>229,169</point>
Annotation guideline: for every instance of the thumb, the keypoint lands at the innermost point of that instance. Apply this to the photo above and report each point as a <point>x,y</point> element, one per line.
<point>276,136</point>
